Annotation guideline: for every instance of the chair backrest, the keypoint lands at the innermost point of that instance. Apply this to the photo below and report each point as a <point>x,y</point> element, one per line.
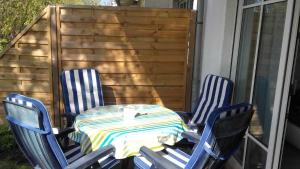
<point>31,127</point>
<point>216,92</point>
<point>222,136</point>
<point>81,90</point>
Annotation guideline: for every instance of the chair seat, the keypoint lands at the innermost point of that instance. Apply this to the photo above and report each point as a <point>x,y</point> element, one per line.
<point>74,154</point>
<point>175,156</point>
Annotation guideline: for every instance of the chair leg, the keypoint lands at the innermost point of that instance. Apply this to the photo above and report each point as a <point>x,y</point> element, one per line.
<point>185,145</point>
<point>70,121</point>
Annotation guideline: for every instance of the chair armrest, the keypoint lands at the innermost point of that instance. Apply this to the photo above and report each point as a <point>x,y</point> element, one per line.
<point>91,158</point>
<point>157,160</point>
<point>64,132</point>
<point>191,136</point>
<point>186,116</point>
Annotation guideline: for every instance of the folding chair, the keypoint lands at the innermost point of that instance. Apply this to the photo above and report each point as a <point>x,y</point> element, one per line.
<point>30,124</point>
<point>221,137</point>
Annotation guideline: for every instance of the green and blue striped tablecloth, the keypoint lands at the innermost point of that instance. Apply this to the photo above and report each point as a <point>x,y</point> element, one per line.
<point>105,125</point>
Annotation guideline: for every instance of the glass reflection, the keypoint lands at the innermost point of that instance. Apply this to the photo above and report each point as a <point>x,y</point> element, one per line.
<point>255,157</point>
<point>249,2</point>
<point>248,40</point>
<point>267,69</point>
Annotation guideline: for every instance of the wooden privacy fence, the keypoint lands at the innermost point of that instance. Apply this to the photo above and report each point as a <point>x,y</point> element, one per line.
<point>143,55</point>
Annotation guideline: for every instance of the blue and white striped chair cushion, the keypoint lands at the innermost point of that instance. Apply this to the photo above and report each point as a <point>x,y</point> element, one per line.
<point>81,90</point>
<point>31,118</point>
<point>233,112</point>
<point>19,101</point>
<point>175,156</point>
<point>215,93</point>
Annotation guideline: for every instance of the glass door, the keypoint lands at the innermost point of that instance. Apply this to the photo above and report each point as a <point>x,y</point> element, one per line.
<point>258,71</point>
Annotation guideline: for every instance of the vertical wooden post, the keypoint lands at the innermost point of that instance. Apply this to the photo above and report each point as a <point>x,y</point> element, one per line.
<point>190,60</point>
<point>54,52</point>
<point>59,66</point>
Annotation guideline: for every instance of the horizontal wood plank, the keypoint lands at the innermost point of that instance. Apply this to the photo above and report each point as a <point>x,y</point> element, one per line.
<point>23,76</point>
<point>133,100</point>
<point>128,67</point>
<point>44,97</point>
<point>96,38</point>
<point>118,45</point>
<point>123,32</point>
<point>8,57</point>
<point>166,13</point>
<point>6,85</point>
<point>123,52</point>
<point>34,70</point>
<point>42,59</point>
<point>9,69</point>
<point>172,103</point>
<point>116,26</point>
<point>112,18</point>
<point>120,58</point>
<point>27,51</point>
<point>119,9</point>
<point>142,79</point>
<point>35,37</point>
<point>102,26</point>
<point>41,25</point>
<point>137,12</point>
<point>25,64</point>
<point>142,91</point>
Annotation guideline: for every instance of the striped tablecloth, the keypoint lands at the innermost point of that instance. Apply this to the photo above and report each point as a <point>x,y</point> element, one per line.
<point>105,125</point>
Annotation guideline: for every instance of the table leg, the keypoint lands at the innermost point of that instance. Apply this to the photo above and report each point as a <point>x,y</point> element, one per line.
<point>127,163</point>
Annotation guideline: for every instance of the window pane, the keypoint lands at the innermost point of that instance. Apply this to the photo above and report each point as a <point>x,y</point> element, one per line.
<point>249,2</point>
<point>255,157</point>
<point>267,69</point>
<point>240,153</point>
<point>248,39</point>
<point>246,54</point>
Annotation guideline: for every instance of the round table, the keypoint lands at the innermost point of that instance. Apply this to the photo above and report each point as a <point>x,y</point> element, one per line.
<point>152,126</point>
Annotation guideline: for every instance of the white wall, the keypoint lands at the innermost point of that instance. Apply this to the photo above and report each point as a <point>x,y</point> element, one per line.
<point>228,40</point>
<point>219,21</point>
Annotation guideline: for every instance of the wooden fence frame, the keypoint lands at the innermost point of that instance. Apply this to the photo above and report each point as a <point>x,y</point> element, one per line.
<point>55,53</point>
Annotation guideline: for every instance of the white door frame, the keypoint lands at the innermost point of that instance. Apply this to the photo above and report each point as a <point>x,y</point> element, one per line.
<point>280,82</point>
<point>280,93</point>
<point>235,54</point>
<point>279,142</point>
